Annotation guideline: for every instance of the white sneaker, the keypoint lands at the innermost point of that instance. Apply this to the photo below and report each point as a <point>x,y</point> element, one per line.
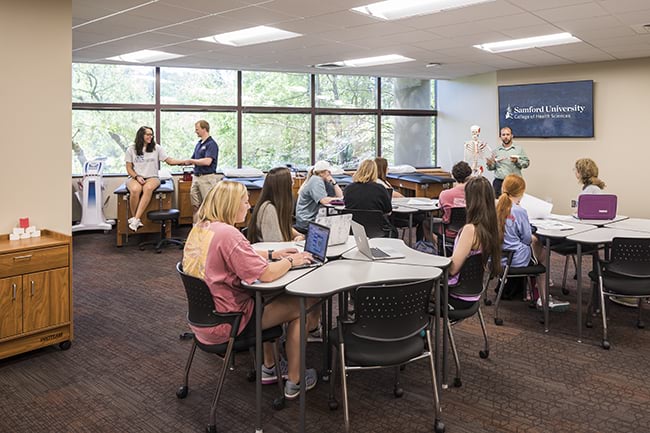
<point>135,224</point>
<point>554,304</point>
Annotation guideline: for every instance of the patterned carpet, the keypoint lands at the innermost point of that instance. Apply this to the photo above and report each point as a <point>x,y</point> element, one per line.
<point>126,363</point>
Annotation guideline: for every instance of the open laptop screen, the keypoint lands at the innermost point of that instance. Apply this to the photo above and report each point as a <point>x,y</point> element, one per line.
<point>316,241</point>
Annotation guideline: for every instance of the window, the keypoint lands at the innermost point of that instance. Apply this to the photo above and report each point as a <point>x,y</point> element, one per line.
<point>407,94</point>
<point>275,89</point>
<point>343,91</point>
<point>183,86</point>
<point>408,140</point>
<point>271,140</point>
<point>115,84</point>
<point>345,140</point>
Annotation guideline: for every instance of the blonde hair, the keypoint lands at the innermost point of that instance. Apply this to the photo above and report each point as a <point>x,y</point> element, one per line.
<point>513,186</point>
<point>367,172</point>
<point>588,172</point>
<point>222,202</point>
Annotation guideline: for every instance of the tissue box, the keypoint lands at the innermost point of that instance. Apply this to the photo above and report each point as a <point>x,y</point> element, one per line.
<point>30,229</point>
<point>36,234</point>
<point>19,230</point>
<point>25,236</point>
<point>13,237</point>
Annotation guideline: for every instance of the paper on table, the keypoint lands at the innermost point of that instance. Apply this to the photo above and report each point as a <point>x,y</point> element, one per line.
<point>550,224</point>
<point>536,208</point>
<point>419,201</point>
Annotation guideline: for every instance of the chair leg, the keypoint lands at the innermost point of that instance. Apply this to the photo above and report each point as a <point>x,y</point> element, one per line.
<point>398,392</point>
<point>639,322</point>
<point>332,402</point>
<point>439,427</point>
<point>566,271</point>
<point>344,388</point>
<point>184,389</point>
<point>457,381</point>
<point>603,313</point>
<point>212,426</point>
<point>504,278</point>
<point>279,402</point>
<point>486,350</point>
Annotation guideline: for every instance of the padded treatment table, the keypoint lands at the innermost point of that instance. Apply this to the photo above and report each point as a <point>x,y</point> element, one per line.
<point>342,180</point>
<point>419,184</point>
<point>252,184</point>
<point>161,200</point>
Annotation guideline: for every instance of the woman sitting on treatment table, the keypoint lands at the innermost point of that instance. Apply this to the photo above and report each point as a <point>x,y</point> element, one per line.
<point>271,220</point>
<point>142,162</point>
<point>217,252</point>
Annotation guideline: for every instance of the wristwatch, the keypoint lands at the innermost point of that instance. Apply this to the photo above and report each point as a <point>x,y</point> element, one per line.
<point>270,252</point>
<point>290,261</point>
<point>333,182</point>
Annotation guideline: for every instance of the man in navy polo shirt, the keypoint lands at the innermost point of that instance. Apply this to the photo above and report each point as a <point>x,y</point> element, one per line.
<point>204,158</point>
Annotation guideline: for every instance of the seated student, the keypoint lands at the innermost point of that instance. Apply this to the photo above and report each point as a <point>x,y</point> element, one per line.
<point>271,220</point>
<point>142,162</point>
<point>218,253</point>
<point>399,220</point>
<point>514,230</point>
<point>586,172</point>
<point>313,193</point>
<point>454,197</point>
<point>364,192</point>
<point>477,236</point>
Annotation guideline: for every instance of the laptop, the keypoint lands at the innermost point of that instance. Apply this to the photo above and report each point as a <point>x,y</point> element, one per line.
<point>316,244</point>
<point>339,227</point>
<point>596,206</point>
<point>372,253</point>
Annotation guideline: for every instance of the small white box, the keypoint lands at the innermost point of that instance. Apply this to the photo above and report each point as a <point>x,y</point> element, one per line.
<point>13,237</point>
<point>25,236</point>
<point>30,229</point>
<point>19,230</point>
<point>36,234</point>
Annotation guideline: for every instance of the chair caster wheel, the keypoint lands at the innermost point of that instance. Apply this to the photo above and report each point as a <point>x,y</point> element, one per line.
<point>484,354</point>
<point>333,404</point>
<point>211,429</point>
<point>398,392</point>
<point>182,392</point>
<point>640,324</point>
<point>158,251</point>
<point>487,302</point>
<point>250,376</point>
<point>498,321</point>
<point>65,345</point>
<point>565,291</point>
<point>439,426</point>
<point>605,344</point>
<point>325,378</point>
<point>141,248</point>
<point>278,403</point>
<point>457,382</point>
<point>589,324</point>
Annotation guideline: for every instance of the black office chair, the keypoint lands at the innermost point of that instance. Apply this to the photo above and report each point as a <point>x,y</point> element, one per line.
<point>392,327</point>
<point>162,216</point>
<point>627,274</point>
<point>375,222</point>
<point>457,219</point>
<point>470,283</point>
<point>201,313</point>
<point>509,271</point>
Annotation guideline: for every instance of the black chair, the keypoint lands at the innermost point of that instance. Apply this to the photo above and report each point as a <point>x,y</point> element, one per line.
<point>470,283</point>
<point>627,274</point>
<point>201,313</point>
<point>509,271</point>
<point>392,327</point>
<point>375,222</point>
<point>457,219</point>
<point>162,216</point>
<point>570,249</point>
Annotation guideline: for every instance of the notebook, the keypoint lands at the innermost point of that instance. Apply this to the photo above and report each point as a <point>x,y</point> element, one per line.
<point>364,247</point>
<point>596,206</point>
<point>339,227</point>
<point>316,244</point>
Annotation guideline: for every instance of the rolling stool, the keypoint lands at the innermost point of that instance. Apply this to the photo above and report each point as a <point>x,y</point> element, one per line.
<point>162,216</point>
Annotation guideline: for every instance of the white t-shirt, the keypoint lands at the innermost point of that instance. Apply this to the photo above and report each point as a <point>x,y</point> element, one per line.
<point>146,165</point>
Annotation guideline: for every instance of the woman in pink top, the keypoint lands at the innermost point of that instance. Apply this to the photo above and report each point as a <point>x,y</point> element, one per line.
<point>217,252</point>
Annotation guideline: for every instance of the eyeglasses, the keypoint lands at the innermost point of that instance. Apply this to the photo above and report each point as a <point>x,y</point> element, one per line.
<point>149,133</point>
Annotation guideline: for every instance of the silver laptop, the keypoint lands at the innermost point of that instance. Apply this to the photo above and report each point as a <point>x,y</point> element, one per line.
<point>339,227</point>
<point>372,253</point>
<point>316,245</point>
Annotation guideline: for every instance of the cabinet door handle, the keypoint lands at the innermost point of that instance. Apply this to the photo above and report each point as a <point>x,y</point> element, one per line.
<point>32,284</point>
<point>14,287</point>
<point>26,257</point>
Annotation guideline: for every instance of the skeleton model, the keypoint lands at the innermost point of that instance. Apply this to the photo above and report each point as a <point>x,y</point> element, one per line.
<point>476,151</point>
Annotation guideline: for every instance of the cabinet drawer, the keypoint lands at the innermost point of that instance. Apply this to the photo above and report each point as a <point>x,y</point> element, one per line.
<point>33,260</point>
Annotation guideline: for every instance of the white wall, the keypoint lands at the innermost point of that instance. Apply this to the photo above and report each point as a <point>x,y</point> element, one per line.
<point>35,113</point>
<point>461,104</point>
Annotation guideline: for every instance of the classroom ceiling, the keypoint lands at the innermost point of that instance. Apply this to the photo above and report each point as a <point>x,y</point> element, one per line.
<point>609,29</point>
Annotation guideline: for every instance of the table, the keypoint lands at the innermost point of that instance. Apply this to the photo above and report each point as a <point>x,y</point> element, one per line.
<point>333,251</point>
<point>600,235</point>
<point>340,276</point>
<point>635,224</point>
<point>597,223</point>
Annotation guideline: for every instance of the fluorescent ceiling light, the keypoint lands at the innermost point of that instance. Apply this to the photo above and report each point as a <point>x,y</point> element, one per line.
<point>525,43</point>
<point>374,61</point>
<point>396,9</point>
<point>251,36</point>
<point>145,56</point>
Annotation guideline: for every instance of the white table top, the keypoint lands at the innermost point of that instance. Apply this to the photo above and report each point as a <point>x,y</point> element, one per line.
<point>411,256</point>
<point>598,223</point>
<point>561,233</point>
<point>333,251</point>
<point>636,224</point>
<point>603,235</point>
<point>419,203</point>
<point>280,283</point>
<point>346,274</point>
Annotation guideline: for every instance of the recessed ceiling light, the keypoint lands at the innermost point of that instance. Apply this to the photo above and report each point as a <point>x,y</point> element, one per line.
<point>370,61</point>
<point>433,65</point>
<point>144,56</point>
<point>525,43</point>
<point>250,36</point>
<point>396,9</point>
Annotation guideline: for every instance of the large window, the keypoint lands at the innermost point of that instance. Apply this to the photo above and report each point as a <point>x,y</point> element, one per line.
<point>259,119</point>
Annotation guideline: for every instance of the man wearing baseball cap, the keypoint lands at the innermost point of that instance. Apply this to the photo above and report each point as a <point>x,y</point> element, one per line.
<point>314,192</point>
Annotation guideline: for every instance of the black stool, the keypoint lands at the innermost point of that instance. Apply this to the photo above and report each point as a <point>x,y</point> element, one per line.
<point>162,216</point>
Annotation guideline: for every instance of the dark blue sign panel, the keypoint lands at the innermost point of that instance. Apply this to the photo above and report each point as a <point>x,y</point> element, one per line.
<point>548,110</point>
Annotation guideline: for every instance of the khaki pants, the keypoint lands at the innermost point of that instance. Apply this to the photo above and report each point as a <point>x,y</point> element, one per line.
<point>201,186</point>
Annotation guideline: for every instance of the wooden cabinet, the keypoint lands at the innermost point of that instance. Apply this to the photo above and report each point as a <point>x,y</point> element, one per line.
<point>35,293</point>
<point>184,202</point>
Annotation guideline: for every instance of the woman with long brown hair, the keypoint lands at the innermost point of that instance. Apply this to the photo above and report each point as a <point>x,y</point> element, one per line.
<point>586,172</point>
